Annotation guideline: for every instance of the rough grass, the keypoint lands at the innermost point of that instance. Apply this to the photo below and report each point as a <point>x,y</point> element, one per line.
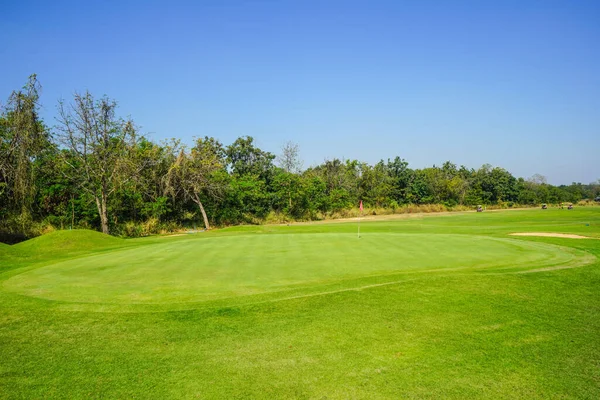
<point>475,333</point>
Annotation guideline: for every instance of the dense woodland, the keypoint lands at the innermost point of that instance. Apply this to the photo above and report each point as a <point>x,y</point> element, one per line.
<point>91,168</point>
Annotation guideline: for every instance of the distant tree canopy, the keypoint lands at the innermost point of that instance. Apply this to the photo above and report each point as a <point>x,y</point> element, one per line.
<point>95,170</point>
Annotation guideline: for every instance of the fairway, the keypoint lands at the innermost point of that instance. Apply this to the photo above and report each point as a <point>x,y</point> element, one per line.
<point>428,307</point>
<point>193,270</point>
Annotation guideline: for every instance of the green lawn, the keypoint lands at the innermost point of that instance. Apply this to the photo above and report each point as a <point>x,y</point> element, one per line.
<point>446,306</point>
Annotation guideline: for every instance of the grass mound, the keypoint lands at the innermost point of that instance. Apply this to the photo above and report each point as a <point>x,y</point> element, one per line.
<point>65,242</point>
<point>5,249</point>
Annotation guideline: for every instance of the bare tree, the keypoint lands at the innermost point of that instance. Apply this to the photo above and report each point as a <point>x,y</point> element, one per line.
<point>99,147</point>
<point>290,162</point>
<point>289,159</point>
<point>538,179</point>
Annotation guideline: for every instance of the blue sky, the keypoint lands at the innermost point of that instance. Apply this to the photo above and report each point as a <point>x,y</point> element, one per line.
<point>512,83</point>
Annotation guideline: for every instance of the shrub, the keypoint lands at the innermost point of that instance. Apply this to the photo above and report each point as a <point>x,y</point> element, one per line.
<point>131,229</point>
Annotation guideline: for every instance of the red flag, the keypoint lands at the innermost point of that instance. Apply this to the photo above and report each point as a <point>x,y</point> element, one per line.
<point>361,207</point>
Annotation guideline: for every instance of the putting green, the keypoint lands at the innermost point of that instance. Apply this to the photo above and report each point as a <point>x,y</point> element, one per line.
<point>197,269</point>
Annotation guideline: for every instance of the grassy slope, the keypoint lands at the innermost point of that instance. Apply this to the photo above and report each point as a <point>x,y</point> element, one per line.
<point>56,246</point>
<point>78,240</point>
<point>487,336</point>
<point>5,252</point>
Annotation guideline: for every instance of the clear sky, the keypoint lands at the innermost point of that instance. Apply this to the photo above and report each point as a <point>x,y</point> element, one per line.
<point>512,83</point>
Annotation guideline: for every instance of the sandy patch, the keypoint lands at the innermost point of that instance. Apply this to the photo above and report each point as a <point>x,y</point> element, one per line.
<point>556,235</point>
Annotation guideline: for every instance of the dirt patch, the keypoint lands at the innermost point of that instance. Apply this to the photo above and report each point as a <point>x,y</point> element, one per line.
<point>556,235</point>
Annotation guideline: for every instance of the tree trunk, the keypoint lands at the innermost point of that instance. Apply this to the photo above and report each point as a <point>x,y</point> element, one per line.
<point>197,201</point>
<point>103,212</point>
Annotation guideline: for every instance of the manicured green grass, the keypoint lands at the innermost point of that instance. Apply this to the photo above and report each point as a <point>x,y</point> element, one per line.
<point>428,307</point>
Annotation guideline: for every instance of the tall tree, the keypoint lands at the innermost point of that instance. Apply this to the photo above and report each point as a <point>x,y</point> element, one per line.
<point>375,185</point>
<point>289,159</point>
<point>290,162</point>
<point>400,176</point>
<point>23,138</point>
<point>100,147</point>
<point>247,159</point>
<point>200,174</point>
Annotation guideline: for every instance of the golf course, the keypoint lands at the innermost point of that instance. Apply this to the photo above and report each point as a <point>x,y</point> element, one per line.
<point>451,305</point>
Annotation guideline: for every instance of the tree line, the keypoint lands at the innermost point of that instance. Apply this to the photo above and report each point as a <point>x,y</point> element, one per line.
<point>94,169</point>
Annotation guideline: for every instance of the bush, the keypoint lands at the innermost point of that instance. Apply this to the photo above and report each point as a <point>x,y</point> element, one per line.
<point>131,230</point>
<point>450,203</point>
<point>277,218</point>
<point>16,228</point>
<point>150,227</point>
<point>502,204</point>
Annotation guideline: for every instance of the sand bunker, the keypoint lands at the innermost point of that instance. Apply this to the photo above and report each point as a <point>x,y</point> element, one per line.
<point>557,235</point>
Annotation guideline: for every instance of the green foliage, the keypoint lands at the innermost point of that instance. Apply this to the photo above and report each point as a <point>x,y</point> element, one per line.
<point>100,149</point>
<point>96,171</point>
<point>245,158</point>
<point>198,174</point>
<point>23,140</point>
